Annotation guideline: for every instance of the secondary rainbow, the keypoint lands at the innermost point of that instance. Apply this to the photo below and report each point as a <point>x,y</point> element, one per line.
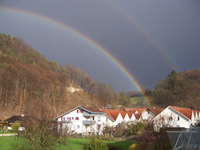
<point>143,31</point>
<point>70,29</point>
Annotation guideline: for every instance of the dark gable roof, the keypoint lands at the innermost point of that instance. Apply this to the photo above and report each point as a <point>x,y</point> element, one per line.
<point>14,119</point>
<point>88,109</point>
<point>92,109</point>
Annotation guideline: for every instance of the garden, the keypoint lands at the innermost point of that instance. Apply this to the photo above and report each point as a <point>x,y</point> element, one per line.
<point>7,143</point>
<point>40,135</point>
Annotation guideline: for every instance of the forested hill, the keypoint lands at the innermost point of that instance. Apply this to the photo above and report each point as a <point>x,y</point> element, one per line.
<point>30,83</point>
<point>180,89</point>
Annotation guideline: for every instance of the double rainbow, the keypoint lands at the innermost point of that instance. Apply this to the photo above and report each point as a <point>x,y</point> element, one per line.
<point>85,38</point>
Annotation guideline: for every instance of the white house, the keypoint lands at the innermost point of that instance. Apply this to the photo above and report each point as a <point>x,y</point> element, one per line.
<point>132,115</point>
<point>140,114</point>
<point>83,120</point>
<point>88,120</point>
<point>174,116</point>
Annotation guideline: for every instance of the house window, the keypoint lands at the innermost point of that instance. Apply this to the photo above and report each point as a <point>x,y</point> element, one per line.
<point>170,118</point>
<point>61,118</point>
<point>82,111</point>
<point>72,118</point>
<point>69,118</point>
<point>99,118</point>
<point>77,111</point>
<point>78,126</point>
<point>77,118</point>
<point>178,118</point>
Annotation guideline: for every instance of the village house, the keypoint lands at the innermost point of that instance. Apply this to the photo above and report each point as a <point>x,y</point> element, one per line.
<point>84,121</point>
<point>173,116</point>
<point>141,114</point>
<point>88,120</point>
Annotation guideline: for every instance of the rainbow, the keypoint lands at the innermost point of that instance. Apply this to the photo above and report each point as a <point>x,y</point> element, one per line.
<point>132,20</point>
<point>90,41</point>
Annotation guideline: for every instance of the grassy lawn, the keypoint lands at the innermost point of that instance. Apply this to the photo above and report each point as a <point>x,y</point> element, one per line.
<point>5,143</point>
<point>73,143</point>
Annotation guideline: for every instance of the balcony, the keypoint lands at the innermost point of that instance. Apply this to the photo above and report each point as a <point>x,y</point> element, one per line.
<point>89,122</point>
<point>65,121</point>
<point>88,115</point>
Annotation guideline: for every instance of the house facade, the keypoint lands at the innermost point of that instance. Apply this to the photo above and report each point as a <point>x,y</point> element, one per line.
<point>178,117</point>
<point>83,120</point>
<point>87,120</point>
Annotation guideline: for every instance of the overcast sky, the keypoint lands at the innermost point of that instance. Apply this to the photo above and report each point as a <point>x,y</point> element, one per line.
<point>150,38</point>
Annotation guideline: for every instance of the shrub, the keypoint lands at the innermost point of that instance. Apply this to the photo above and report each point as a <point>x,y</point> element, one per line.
<point>5,129</point>
<point>151,140</point>
<point>95,144</point>
<point>139,127</point>
<point>15,126</point>
<point>134,147</point>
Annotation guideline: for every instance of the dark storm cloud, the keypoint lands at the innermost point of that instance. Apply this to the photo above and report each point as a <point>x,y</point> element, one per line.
<point>174,25</point>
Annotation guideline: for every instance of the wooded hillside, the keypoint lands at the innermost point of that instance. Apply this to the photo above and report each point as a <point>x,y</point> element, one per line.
<point>179,89</point>
<point>28,81</point>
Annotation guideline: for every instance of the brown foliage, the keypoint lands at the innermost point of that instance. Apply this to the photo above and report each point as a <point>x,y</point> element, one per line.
<point>27,79</point>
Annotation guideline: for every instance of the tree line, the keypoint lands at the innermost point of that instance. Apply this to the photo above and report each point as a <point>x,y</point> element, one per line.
<point>27,79</point>
<point>180,89</point>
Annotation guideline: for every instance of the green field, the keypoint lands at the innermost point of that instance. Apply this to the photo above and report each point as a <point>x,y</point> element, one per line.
<point>137,102</point>
<point>73,143</point>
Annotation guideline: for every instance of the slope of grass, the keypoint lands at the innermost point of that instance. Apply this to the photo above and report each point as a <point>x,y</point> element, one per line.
<point>137,102</point>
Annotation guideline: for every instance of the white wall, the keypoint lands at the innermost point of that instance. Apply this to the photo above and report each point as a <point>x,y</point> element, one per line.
<point>168,118</point>
<point>119,119</point>
<point>126,118</point>
<point>133,118</point>
<point>101,120</point>
<point>146,116</point>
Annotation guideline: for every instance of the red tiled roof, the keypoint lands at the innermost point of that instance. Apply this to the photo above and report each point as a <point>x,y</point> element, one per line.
<point>123,113</point>
<point>112,113</point>
<point>139,112</point>
<point>187,112</point>
<point>133,111</point>
<point>157,111</point>
<point>107,111</point>
<point>130,114</point>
